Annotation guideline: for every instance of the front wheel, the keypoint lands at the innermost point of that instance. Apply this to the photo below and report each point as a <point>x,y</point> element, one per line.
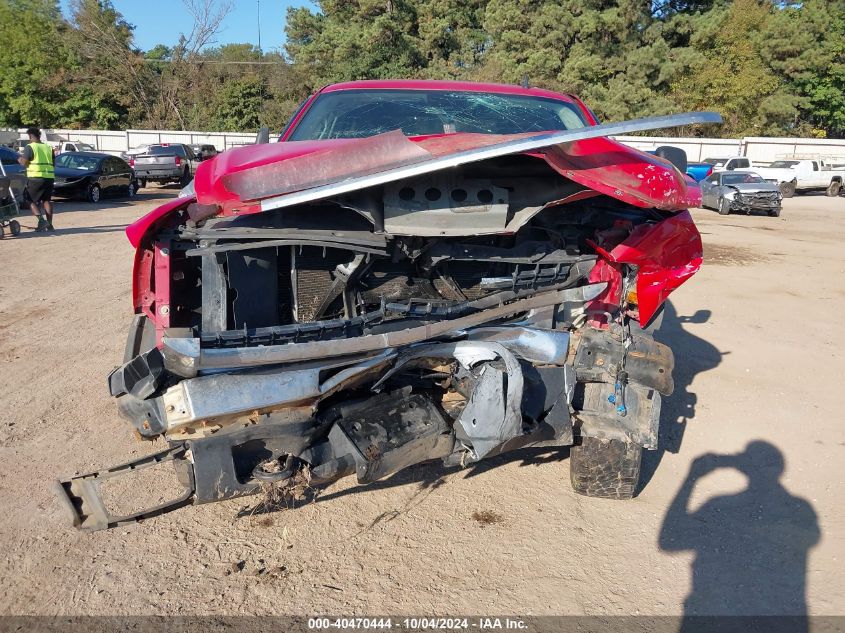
<point>132,189</point>
<point>186,178</point>
<point>724,206</point>
<point>93,194</point>
<point>787,189</point>
<point>775,212</point>
<point>608,469</point>
<point>833,189</point>
<point>15,227</point>
<point>142,184</point>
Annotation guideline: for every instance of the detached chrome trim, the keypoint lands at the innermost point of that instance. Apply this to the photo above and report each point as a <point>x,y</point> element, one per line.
<point>185,358</point>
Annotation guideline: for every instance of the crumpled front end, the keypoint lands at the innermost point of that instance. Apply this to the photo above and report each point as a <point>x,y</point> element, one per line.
<point>452,314</point>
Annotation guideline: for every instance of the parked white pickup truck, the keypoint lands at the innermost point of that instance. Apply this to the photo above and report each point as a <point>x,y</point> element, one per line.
<point>803,175</point>
<point>791,175</point>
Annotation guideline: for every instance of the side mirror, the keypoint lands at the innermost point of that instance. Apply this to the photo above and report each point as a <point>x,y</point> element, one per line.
<point>263,135</point>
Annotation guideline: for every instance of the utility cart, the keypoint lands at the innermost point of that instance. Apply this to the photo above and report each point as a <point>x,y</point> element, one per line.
<point>9,207</point>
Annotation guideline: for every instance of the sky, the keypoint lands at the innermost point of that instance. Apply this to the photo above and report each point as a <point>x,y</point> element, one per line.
<point>161,21</point>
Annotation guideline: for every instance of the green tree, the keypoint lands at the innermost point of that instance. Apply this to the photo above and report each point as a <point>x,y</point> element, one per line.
<point>32,65</point>
<point>804,45</point>
<point>238,105</point>
<point>611,53</point>
<point>111,73</point>
<point>354,39</point>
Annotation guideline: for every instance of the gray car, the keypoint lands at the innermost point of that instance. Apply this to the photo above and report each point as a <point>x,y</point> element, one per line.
<point>743,191</point>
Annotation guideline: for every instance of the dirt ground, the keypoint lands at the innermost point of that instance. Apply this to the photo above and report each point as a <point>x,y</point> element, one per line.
<point>756,338</point>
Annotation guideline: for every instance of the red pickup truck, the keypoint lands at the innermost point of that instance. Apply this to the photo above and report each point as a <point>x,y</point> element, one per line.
<point>417,270</point>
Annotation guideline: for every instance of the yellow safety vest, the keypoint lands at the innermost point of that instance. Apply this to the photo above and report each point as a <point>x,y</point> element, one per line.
<point>41,165</point>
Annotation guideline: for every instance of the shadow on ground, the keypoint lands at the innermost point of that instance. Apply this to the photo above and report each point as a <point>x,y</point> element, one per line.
<point>750,548</point>
<point>59,232</point>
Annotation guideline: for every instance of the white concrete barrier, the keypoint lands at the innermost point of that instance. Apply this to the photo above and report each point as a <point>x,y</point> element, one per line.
<point>758,149</point>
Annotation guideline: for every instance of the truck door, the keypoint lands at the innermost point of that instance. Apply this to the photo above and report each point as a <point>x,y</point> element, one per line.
<point>816,175</point>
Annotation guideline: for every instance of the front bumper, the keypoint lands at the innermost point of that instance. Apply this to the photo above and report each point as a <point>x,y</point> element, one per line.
<point>517,384</point>
<point>70,188</point>
<point>749,203</point>
<point>163,175</point>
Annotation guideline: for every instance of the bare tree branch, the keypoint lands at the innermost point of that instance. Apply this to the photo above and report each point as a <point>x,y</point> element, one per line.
<point>208,16</point>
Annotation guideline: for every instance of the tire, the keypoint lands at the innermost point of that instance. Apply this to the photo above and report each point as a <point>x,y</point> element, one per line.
<point>2,232</point>
<point>833,189</point>
<point>142,184</point>
<point>724,207</point>
<point>93,194</point>
<point>132,189</point>
<point>775,212</point>
<point>607,469</point>
<point>787,189</point>
<point>15,227</point>
<point>186,178</point>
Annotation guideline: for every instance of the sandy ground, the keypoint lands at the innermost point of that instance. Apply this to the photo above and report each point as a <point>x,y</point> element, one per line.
<point>756,338</point>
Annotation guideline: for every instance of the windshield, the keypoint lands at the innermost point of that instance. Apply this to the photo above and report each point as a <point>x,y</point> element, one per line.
<point>784,164</point>
<point>361,113</point>
<point>738,179</point>
<point>77,161</point>
<point>84,147</point>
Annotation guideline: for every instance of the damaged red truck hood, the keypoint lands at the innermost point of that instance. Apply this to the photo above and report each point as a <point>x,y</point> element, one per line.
<point>241,177</point>
<point>261,177</point>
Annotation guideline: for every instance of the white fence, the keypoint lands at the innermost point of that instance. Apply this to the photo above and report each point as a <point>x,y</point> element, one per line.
<point>758,149</point>
<point>117,142</point>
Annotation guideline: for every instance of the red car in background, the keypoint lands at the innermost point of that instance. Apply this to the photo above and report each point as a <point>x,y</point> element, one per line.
<point>418,270</point>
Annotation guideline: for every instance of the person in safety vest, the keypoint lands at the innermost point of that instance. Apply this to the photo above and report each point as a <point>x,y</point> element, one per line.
<point>37,157</point>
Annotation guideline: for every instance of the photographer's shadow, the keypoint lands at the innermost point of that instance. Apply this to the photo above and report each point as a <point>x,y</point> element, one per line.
<point>751,548</point>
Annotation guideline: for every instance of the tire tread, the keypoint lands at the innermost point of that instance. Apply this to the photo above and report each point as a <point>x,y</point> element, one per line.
<point>607,469</point>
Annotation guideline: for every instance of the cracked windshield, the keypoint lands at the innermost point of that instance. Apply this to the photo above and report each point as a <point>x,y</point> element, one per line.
<point>360,113</point>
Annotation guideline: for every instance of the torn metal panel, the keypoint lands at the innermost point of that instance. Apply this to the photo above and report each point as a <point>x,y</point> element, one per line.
<point>467,353</point>
<point>493,414</point>
<point>535,345</point>
<point>225,395</point>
